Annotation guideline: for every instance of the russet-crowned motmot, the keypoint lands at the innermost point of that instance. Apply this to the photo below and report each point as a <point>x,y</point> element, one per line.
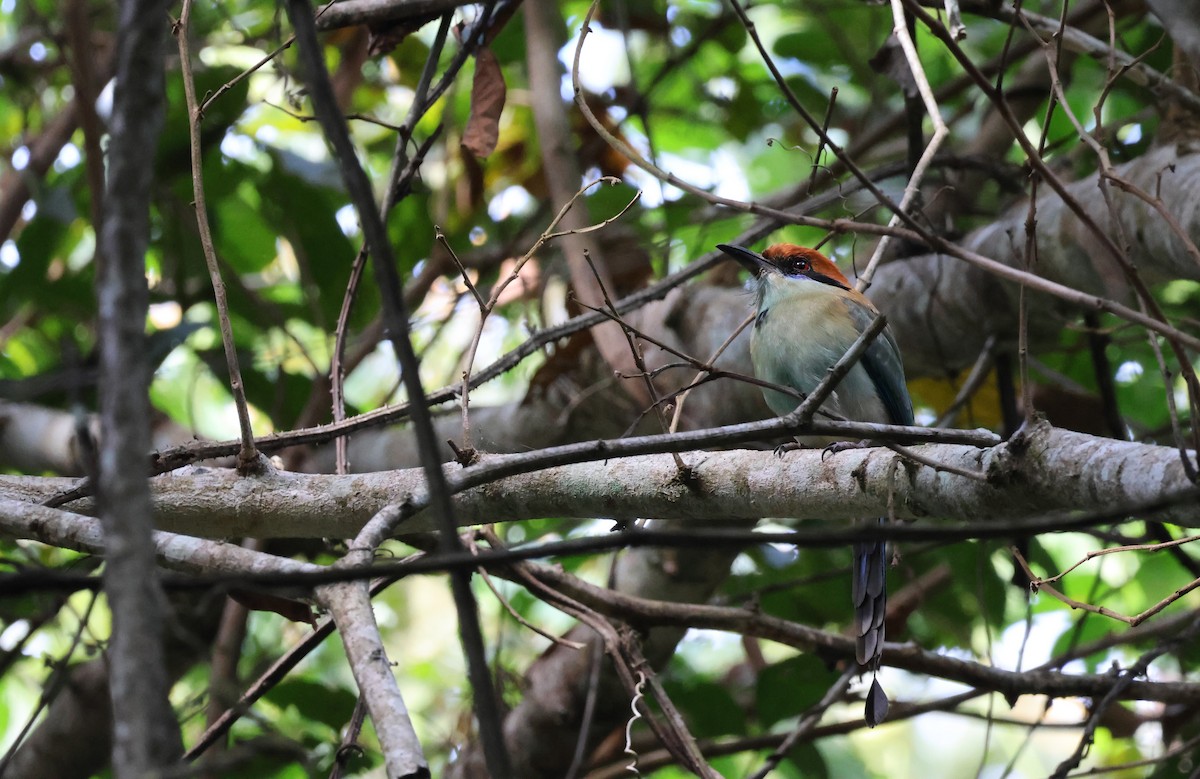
<point>808,316</point>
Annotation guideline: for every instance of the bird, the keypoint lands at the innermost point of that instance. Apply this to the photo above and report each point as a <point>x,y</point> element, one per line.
<point>808,316</point>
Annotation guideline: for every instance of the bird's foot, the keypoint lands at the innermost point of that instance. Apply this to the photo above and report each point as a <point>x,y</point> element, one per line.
<point>844,446</point>
<point>782,449</point>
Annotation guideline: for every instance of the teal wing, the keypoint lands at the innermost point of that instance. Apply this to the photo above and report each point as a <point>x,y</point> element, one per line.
<point>883,364</point>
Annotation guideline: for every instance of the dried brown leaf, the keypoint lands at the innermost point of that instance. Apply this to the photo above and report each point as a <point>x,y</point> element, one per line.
<point>487,102</point>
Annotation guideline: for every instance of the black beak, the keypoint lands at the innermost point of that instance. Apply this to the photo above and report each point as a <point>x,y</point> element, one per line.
<point>751,261</point>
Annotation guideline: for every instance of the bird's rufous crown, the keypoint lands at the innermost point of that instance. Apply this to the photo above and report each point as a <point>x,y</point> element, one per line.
<point>783,255</point>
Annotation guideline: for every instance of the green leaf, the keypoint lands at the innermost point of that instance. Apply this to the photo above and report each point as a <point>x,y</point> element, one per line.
<point>331,706</point>
<point>808,759</point>
<point>241,235</point>
<point>1086,629</point>
<point>173,158</point>
<point>37,244</point>
<point>788,688</point>
<point>299,202</point>
<point>708,708</point>
<point>411,230</point>
<point>976,590</point>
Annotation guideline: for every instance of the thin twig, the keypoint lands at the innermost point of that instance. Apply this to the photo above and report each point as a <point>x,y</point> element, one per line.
<point>248,454</point>
<point>350,116</point>
<point>838,371</point>
<point>1113,550</point>
<point>1176,750</point>
<point>1125,678</point>
<point>487,579</point>
<point>399,184</point>
<point>929,462</point>
<point>59,676</point>
<point>1133,621</point>
<point>807,724</point>
<point>487,308</point>
<point>638,358</point>
<point>440,237</point>
<point>595,667</point>
<point>940,132</point>
<point>816,166</point>
<point>683,396</point>
<point>975,378</point>
<point>880,196</point>
<point>684,740</point>
<point>349,747</point>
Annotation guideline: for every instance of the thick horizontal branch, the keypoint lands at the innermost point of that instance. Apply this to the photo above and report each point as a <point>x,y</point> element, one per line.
<point>1047,470</point>
<point>351,12</point>
<point>172,550</point>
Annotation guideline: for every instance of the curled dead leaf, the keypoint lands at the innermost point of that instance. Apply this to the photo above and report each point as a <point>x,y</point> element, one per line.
<point>488,93</point>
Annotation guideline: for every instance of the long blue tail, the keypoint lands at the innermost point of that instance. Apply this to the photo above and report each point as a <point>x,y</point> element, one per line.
<point>869,588</point>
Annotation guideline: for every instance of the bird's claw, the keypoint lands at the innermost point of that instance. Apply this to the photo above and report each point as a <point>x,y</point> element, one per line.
<point>790,446</point>
<point>844,446</point>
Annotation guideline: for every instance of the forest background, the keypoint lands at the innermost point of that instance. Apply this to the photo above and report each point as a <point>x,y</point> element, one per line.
<point>224,229</point>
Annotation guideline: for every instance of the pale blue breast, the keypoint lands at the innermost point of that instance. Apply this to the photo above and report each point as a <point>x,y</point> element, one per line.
<point>794,345</point>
